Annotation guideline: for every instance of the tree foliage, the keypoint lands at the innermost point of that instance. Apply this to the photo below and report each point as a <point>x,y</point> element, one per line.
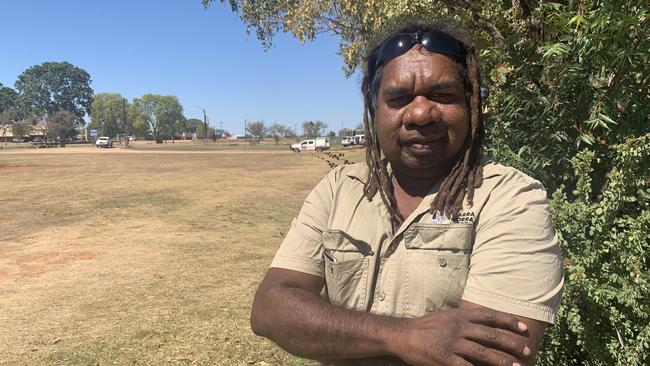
<point>20,129</point>
<point>605,235</point>
<point>54,86</point>
<point>8,98</point>
<point>109,112</point>
<point>61,126</point>
<point>277,131</point>
<point>569,104</point>
<point>313,128</point>
<point>256,129</point>
<point>162,113</point>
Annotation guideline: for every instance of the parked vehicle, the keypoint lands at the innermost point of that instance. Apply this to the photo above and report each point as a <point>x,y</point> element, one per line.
<point>347,141</point>
<point>318,144</point>
<point>104,142</point>
<point>359,139</point>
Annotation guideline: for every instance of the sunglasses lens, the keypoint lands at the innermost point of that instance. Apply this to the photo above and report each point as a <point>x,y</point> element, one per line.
<point>395,46</point>
<point>438,42</point>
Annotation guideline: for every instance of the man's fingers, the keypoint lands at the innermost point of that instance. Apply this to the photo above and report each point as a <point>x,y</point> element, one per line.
<point>497,319</point>
<point>511,343</point>
<point>456,360</point>
<point>484,355</point>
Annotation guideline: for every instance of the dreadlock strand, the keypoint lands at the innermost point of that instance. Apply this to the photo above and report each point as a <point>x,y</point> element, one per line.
<point>475,178</point>
<point>378,178</point>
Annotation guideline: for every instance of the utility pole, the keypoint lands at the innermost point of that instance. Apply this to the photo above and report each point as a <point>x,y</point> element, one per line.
<point>245,128</point>
<point>126,124</point>
<point>205,128</point>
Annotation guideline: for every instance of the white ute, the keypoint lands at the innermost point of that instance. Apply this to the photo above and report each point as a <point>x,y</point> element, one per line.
<point>104,142</point>
<point>318,144</point>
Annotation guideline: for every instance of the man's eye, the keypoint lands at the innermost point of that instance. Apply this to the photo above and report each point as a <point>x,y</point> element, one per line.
<point>442,97</point>
<point>399,101</point>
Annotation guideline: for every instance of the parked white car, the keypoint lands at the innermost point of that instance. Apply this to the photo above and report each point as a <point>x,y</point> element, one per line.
<point>347,141</point>
<point>359,139</point>
<point>318,144</point>
<point>104,142</point>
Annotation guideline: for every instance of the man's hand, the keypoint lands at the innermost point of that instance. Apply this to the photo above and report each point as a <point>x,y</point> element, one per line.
<point>464,337</point>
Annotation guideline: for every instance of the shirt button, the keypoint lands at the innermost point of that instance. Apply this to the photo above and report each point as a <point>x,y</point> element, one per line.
<point>443,262</point>
<point>381,296</point>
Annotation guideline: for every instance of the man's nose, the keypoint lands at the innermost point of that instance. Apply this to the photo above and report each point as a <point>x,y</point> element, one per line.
<point>421,111</point>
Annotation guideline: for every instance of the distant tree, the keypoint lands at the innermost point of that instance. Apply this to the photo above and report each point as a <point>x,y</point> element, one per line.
<point>107,114</point>
<point>61,126</point>
<point>21,129</point>
<point>194,125</point>
<point>175,125</point>
<point>138,124</point>
<point>359,126</point>
<point>275,132</point>
<point>7,118</point>
<point>313,128</point>
<point>8,98</point>
<point>281,131</point>
<point>163,114</point>
<point>288,132</point>
<point>54,86</point>
<point>256,129</point>
<point>332,134</point>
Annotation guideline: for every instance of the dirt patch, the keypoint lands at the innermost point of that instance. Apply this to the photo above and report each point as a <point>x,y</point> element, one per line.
<point>37,264</point>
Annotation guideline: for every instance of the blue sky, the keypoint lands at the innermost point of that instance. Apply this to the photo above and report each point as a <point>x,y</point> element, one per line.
<point>176,47</point>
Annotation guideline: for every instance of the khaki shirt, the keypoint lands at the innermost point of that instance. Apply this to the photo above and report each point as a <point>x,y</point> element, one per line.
<point>505,257</point>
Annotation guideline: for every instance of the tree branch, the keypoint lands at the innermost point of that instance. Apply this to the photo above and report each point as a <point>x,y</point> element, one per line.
<point>335,23</point>
<point>491,29</point>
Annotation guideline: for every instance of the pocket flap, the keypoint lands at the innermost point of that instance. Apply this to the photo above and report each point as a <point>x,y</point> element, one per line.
<point>339,241</point>
<point>455,236</point>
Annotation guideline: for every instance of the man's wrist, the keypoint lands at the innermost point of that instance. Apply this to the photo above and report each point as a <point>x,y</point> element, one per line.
<point>391,334</point>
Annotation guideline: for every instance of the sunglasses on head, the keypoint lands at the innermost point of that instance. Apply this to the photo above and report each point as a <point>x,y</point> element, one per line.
<point>399,44</point>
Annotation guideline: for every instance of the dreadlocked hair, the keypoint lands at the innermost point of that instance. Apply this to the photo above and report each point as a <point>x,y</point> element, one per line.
<point>467,172</point>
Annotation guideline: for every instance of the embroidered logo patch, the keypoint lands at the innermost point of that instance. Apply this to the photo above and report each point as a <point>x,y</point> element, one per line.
<point>464,218</point>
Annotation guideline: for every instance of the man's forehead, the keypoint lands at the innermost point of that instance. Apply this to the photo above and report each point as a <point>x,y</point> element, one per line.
<point>420,64</point>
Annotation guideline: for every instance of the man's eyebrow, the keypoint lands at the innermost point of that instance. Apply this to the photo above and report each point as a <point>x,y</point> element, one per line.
<point>445,84</point>
<point>396,90</point>
<point>400,90</point>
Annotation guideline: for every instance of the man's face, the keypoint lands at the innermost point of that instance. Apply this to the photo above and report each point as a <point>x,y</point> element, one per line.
<point>422,119</point>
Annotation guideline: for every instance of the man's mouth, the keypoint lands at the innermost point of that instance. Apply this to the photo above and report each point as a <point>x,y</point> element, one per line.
<point>423,144</point>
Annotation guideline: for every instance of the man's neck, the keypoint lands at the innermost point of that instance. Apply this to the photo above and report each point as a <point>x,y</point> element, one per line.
<point>412,186</point>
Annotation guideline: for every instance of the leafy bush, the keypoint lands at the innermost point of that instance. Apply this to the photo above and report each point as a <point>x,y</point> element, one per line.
<point>604,317</point>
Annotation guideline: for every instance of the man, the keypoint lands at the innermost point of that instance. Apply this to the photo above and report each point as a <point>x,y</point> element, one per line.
<point>429,254</point>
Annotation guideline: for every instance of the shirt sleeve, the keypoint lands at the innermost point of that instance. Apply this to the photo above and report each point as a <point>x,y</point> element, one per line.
<point>516,263</point>
<point>302,248</point>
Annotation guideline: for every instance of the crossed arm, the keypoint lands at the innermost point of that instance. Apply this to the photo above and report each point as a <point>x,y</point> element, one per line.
<point>288,310</point>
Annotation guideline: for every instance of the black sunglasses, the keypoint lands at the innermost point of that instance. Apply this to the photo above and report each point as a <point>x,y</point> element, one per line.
<point>399,44</point>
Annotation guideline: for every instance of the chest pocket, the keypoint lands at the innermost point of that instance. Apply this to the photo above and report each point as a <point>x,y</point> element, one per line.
<point>346,269</point>
<point>437,262</point>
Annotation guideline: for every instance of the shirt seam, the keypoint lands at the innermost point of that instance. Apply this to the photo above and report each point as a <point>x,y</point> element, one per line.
<point>544,308</point>
<point>300,261</point>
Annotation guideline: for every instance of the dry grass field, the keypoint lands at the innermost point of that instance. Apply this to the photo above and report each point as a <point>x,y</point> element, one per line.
<point>146,256</point>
